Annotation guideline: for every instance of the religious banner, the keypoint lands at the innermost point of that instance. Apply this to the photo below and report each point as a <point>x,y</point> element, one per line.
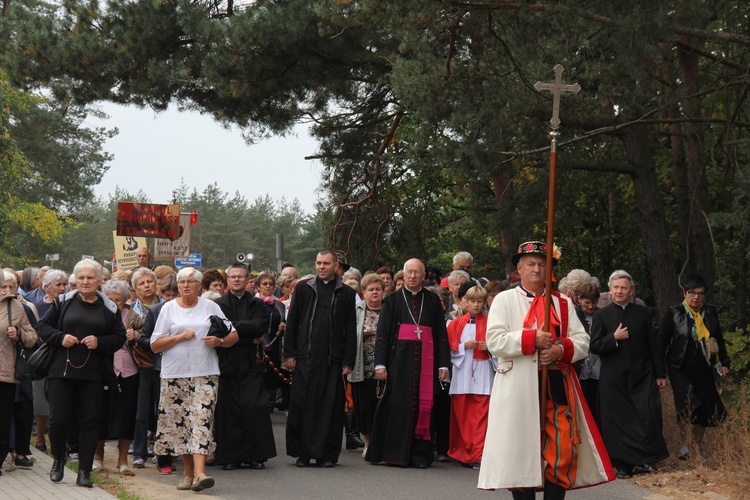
<point>179,248</point>
<point>149,220</point>
<point>126,248</point>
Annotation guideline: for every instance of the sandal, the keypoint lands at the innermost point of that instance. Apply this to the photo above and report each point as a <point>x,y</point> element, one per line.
<point>202,482</point>
<point>98,466</point>
<point>185,483</point>
<point>125,470</point>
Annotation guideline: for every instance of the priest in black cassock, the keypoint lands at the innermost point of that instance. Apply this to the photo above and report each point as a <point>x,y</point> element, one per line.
<point>411,359</point>
<point>320,344</point>
<point>629,382</point>
<point>244,434</point>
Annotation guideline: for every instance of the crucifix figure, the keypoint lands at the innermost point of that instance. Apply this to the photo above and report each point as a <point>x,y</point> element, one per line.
<point>418,331</point>
<point>557,88</point>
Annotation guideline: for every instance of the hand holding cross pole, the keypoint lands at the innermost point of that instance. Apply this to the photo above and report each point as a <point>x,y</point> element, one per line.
<point>557,88</point>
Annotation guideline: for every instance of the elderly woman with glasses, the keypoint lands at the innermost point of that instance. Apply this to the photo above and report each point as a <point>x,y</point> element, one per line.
<point>691,343</point>
<point>15,329</point>
<point>189,378</point>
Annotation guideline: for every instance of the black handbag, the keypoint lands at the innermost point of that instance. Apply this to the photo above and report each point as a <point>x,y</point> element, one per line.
<point>40,360</point>
<point>220,327</point>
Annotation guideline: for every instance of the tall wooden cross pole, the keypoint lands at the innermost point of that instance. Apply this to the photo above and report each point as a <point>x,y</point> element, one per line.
<point>557,88</point>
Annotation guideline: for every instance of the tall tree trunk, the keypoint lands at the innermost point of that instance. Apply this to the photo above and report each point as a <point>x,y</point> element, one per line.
<point>679,164</point>
<point>501,179</point>
<point>701,242</point>
<point>653,222</point>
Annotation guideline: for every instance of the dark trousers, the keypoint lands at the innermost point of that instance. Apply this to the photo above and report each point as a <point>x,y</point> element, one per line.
<point>75,400</point>
<point>7,394</point>
<point>23,416</point>
<point>145,412</point>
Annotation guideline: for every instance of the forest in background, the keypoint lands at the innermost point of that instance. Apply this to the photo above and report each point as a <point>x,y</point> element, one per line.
<point>431,135</point>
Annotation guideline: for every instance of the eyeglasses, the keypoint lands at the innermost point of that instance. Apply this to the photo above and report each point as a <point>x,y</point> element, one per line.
<point>413,273</point>
<point>236,277</point>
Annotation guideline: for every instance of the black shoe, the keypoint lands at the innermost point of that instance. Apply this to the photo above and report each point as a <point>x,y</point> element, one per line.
<point>648,468</point>
<point>84,479</point>
<point>231,466</point>
<point>419,463</point>
<point>41,447</point>
<point>256,465</point>
<point>623,474</point>
<point>302,462</point>
<point>23,462</point>
<point>325,463</point>
<point>353,442</point>
<point>58,470</point>
<point>210,462</point>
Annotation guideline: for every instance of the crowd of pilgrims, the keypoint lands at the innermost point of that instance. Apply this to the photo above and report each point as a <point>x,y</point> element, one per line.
<point>120,369</point>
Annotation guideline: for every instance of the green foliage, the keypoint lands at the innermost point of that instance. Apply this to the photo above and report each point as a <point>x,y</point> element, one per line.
<point>21,220</point>
<point>431,135</point>
<point>738,350</point>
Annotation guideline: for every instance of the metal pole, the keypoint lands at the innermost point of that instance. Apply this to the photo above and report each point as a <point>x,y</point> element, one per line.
<point>279,251</point>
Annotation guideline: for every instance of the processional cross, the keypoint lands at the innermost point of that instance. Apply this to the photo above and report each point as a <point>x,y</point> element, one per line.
<point>557,88</point>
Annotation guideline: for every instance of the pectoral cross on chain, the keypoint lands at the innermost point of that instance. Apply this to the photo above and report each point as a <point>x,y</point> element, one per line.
<point>418,331</point>
<point>557,88</point>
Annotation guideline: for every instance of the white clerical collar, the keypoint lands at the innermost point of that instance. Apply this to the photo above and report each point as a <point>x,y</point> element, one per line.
<point>621,305</point>
<point>238,296</point>
<point>412,291</point>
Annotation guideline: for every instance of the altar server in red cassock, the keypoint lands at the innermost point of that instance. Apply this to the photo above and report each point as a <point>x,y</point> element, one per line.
<point>471,383</point>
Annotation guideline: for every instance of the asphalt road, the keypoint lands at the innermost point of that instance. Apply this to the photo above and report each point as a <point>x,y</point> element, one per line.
<point>354,478</point>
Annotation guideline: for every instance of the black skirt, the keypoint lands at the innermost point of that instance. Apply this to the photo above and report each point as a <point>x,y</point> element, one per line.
<point>365,403</point>
<point>123,404</point>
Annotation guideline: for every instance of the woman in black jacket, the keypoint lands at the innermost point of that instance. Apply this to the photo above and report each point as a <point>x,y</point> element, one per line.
<point>87,329</point>
<point>691,343</point>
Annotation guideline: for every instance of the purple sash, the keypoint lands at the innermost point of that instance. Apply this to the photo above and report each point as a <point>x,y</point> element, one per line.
<point>426,378</point>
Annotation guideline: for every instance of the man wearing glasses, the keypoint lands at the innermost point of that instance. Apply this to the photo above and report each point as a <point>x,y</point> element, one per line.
<point>244,435</point>
<point>411,358</point>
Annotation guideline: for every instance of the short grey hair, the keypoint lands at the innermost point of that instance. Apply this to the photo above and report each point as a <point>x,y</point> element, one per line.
<point>10,277</point>
<point>140,272</point>
<point>89,264</point>
<point>353,273</point>
<point>53,276</point>
<point>456,275</point>
<point>190,272</point>
<point>618,275</point>
<point>576,279</point>
<point>462,256</point>
<point>117,286</point>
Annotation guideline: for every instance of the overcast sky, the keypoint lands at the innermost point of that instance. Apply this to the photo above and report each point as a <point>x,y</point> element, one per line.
<point>153,151</point>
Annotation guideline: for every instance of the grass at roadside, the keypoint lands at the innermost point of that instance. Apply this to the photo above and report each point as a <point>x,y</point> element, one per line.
<point>726,473</point>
